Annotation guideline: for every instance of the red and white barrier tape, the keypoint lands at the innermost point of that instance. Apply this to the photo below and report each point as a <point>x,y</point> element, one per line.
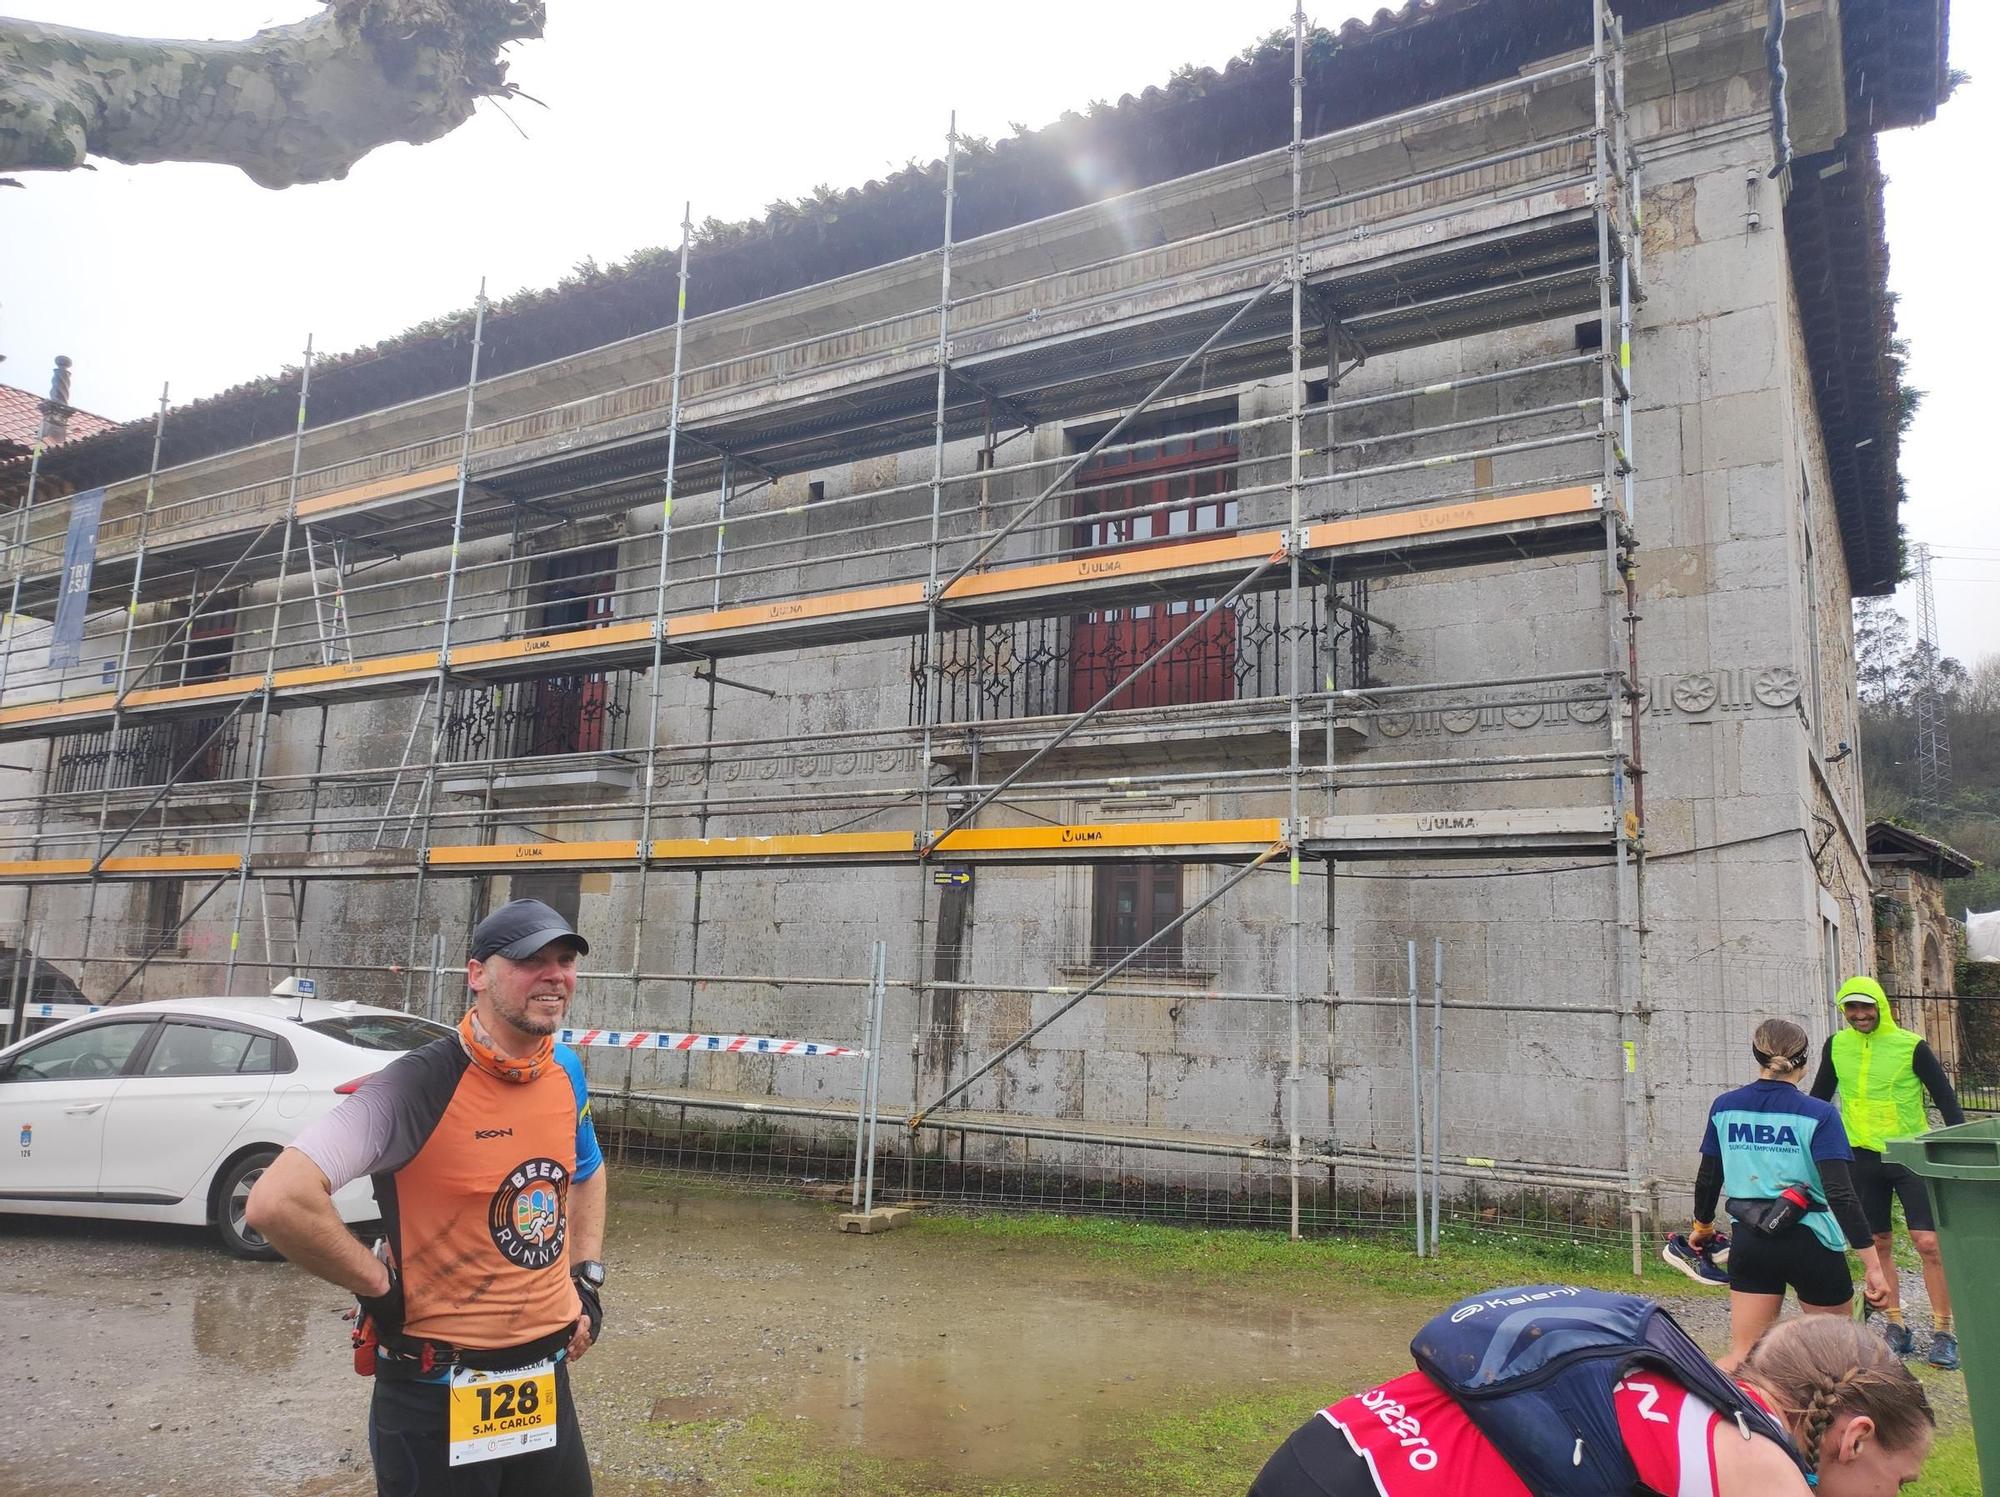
<point>705,1044</point>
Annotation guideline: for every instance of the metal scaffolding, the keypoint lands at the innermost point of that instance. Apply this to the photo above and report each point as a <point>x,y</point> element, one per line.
<point>448,553</point>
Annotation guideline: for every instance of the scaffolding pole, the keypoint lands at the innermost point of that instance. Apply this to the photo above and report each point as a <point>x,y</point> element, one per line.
<point>124,661</point>
<point>1416,1100</point>
<point>1437,1087</point>
<point>1614,331</point>
<point>931,676</point>
<point>1294,798</point>
<point>428,795</point>
<point>261,737</point>
<point>659,630</point>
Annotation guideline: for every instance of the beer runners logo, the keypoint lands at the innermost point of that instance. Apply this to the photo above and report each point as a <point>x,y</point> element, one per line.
<point>526,1217</point>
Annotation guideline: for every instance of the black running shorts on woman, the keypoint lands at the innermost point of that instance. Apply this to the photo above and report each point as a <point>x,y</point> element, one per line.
<point>1795,1258</point>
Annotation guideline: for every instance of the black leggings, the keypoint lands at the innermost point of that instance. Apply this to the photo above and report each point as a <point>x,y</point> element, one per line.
<point>1795,1258</point>
<point>408,1439</point>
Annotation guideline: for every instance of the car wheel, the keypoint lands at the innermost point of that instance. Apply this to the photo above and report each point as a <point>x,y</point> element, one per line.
<point>232,1196</point>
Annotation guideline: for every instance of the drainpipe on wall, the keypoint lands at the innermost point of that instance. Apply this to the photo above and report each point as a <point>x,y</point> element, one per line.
<point>1774,57</point>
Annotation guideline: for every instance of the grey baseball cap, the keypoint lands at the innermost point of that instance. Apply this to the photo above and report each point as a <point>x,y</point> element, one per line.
<point>520,928</point>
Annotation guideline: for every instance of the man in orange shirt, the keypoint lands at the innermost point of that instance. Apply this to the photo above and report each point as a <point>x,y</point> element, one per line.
<point>492,1189</point>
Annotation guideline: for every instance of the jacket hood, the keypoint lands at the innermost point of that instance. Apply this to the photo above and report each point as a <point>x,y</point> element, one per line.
<point>1868,989</point>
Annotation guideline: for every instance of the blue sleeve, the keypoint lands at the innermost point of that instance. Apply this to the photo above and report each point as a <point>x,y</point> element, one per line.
<point>1830,1137</point>
<point>1710,1144</point>
<point>589,1158</point>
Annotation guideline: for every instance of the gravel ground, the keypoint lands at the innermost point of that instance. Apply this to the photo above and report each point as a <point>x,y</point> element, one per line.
<point>152,1363</point>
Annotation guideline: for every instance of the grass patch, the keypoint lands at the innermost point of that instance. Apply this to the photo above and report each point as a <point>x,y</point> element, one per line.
<point>1469,1261</point>
<point>1216,1449</point>
<point>1952,1470</point>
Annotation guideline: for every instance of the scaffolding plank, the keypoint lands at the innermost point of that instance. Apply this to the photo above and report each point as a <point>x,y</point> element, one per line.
<point>482,858</point>
<point>797,611</point>
<point>1525,831</point>
<point>1474,833</point>
<point>373,668</point>
<point>1161,572</point>
<point>1438,519</point>
<point>132,866</point>
<point>1253,833</point>
<point>538,647</point>
<point>379,491</point>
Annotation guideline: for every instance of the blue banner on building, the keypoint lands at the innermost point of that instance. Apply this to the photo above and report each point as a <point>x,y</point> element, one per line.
<point>79,557</point>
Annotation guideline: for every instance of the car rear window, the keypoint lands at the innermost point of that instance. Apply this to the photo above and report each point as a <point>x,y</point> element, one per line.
<point>379,1031</point>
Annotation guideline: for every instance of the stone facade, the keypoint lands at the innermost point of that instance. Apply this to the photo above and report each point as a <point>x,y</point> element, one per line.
<point>1756,887</point>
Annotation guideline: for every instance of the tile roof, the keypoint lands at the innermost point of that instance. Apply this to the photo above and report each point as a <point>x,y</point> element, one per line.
<point>21,420</point>
<point>1895,59</point>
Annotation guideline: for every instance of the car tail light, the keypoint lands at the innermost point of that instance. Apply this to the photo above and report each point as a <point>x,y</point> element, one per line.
<point>349,1088</point>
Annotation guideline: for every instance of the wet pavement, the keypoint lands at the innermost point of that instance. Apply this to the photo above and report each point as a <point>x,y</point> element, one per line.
<point>147,1361</point>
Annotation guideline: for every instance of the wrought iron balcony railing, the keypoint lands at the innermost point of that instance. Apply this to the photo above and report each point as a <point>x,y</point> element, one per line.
<point>1048,666</point>
<point>581,713</point>
<point>146,756</point>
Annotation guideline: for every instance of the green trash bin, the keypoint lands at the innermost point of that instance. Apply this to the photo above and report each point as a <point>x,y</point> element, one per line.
<point>1961,1166</point>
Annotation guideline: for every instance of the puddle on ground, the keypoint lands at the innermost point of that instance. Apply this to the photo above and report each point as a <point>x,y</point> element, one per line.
<point>989,1360</point>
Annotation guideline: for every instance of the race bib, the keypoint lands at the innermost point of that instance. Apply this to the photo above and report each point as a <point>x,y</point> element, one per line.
<point>498,1414</point>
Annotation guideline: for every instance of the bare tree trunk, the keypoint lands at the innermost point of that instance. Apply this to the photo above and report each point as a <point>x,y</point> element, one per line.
<point>297,103</point>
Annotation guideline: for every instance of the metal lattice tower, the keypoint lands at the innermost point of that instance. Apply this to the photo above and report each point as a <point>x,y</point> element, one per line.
<point>1933,737</point>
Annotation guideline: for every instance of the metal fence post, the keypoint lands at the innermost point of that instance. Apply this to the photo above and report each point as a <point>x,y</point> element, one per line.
<point>874,1089</point>
<point>1416,1102</point>
<point>871,1042</point>
<point>1437,1086</point>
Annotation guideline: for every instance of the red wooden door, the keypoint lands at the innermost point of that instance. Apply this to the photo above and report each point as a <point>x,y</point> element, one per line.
<point>1196,475</point>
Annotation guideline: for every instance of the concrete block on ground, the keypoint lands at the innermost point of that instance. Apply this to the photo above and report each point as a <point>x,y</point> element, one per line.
<point>881,1219</point>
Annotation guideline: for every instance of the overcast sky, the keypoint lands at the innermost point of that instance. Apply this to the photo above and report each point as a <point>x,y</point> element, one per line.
<point>193,276</point>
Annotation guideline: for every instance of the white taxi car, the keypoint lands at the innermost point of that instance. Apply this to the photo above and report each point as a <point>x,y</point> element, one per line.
<point>169,1111</point>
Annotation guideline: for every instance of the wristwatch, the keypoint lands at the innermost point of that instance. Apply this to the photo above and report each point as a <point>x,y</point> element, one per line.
<point>591,1272</point>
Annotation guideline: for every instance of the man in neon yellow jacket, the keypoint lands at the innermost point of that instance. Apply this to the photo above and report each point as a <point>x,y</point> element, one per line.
<point>1883,1071</point>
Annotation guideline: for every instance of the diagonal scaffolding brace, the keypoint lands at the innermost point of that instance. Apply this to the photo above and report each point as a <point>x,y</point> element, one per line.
<point>1207,611</point>
<point>1028,510</point>
<point>1276,849</point>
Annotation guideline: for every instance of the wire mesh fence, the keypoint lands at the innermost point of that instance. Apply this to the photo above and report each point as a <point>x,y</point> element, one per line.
<point>1964,1033</point>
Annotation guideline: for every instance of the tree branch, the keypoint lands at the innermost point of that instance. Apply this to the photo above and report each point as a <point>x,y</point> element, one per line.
<point>297,103</point>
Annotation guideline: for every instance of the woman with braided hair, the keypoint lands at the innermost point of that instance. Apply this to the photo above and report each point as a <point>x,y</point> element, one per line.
<point>1858,1416</point>
<point>1856,1419</point>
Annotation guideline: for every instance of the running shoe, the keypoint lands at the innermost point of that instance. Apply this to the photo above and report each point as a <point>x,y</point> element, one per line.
<point>1697,1265</point>
<point>1902,1340</point>
<point>1944,1350</point>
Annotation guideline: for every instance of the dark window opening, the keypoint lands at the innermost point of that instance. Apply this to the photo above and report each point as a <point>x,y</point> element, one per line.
<point>561,892</point>
<point>1176,486</point>
<point>815,490</point>
<point>163,918</point>
<point>210,644</point>
<point>1130,903</point>
<point>573,591</point>
<point>1589,335</point>
<point>567,713</point>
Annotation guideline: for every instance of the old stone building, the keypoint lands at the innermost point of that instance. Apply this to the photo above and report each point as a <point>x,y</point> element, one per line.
<point>1486,481</point>
<point>1916,939</point>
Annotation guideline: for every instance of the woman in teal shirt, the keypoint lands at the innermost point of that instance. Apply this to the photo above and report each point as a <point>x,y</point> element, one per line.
<point>1763,1141</point>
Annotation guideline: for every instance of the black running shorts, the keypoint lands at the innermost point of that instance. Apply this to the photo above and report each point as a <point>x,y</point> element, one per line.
<point>1876,1180</point>
<point>1793,1259</point>
<point>409,1439</point>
